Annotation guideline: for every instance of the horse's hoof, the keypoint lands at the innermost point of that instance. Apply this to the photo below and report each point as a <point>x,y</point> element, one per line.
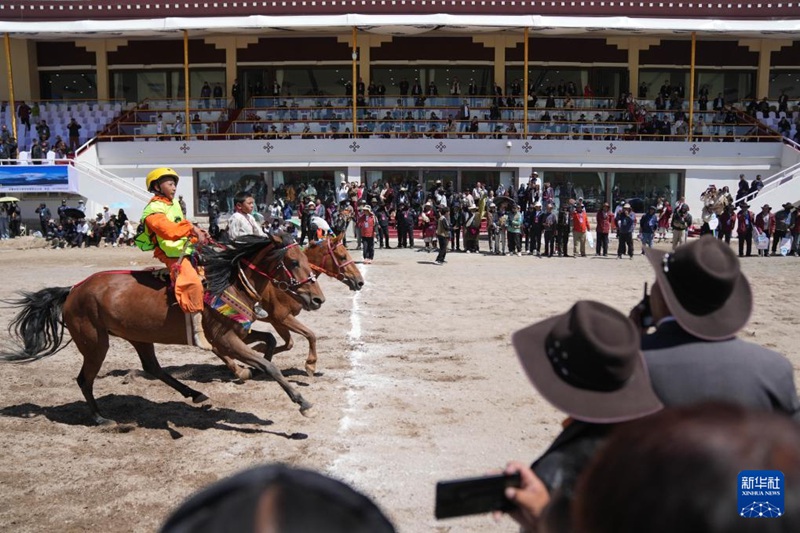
<point>104,422</point>
<point>200,398</point>
<point>311,370</point>
<point>306,411</point>
<point>245,374</point>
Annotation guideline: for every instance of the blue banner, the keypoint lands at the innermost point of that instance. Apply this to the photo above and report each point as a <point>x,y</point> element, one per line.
<point>35,178</point>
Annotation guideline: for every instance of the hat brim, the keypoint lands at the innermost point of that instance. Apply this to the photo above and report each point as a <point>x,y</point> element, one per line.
<point>721,324</point>
<point>634,400</point>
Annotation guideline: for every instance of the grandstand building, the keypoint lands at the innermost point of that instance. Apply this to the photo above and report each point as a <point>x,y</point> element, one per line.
<point>286,92</point>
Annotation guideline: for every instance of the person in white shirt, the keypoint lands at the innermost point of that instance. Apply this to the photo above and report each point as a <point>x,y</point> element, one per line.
<point>242,221</point>
<point>343,194</point>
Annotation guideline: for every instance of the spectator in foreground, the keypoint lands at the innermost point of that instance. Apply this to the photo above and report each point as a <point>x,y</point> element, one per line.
<point>278,499</point>
<point>699,301</point>
<point>678,471</point>
<point>587,363</point>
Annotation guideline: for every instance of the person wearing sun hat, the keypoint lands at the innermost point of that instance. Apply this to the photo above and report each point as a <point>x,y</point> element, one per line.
<point>700,301</point>
<point>587,363</point>
<point>765,225</point>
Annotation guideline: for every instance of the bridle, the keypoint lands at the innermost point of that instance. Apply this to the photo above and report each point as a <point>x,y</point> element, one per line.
<point>290,285</point>
<point>336,264</point>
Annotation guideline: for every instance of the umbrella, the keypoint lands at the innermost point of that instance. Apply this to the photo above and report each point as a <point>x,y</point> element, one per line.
<point>505,202</point>
<point>9,199</point>
<point>295,221</point>
<point>72,212</point>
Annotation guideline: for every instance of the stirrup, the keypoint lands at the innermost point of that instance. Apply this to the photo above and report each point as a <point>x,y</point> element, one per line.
<point>259,311</point>
<point>198,334</point>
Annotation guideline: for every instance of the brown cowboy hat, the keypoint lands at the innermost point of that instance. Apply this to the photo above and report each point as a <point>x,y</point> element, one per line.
<point>587,363</point>
<point>704,288</point>
<point>788,205</point>
<point>766,206</point>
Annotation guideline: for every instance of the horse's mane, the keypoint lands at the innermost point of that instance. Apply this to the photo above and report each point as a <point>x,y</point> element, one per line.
<point>222,264</point>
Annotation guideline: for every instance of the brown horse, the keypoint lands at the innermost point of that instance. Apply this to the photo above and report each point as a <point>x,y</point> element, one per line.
<point>327,256</point>
<point>138,307</point>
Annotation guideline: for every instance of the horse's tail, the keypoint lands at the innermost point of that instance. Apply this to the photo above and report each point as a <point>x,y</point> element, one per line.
<point>38,325</point>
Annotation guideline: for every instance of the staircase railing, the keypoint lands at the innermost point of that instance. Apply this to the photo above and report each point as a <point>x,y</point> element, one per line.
<point>112,180</point>
<point>774,182</point>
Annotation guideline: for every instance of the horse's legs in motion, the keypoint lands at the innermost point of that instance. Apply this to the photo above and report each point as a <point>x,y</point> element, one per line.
<point>291,323</point>
<point>267,339</point>
<point>150,364</point>
<point>235,347</point>
<point>288,343</point>
<point>93,344</point>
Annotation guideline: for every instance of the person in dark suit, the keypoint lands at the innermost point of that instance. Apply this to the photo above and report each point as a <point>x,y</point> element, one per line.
<point>700,300</point>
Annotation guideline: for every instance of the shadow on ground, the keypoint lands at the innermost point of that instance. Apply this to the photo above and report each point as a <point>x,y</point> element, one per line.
<point>135,411</point>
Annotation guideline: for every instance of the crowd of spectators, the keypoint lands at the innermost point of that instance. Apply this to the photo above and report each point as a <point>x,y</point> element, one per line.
<point>71,228</point>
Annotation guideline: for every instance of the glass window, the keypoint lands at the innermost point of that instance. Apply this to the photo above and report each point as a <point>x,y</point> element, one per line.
<point>68,85</point>
<point>587,185</point>
<point>489,179</point>
<point>221,186</point>
<point>136,85</point>
<point>294,185</point>
<point>430,177</point>
<point>442,76</point>
<point>783,80</point>
<point>643,189</point>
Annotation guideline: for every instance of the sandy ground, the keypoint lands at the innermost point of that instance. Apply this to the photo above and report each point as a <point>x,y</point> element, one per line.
<point>417,382</point>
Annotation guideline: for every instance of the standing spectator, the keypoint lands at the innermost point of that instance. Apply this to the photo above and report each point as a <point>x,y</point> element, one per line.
<point>5,219</point>
<point>62,212</point>
<point>514,231</point>
<point>205,94</point>
<point>74,134</point>
<point>382,216</point>
<point>756,186</point>
<point>197,124</point>
<point>783,224</point>
<point>647,227</point>
<point>472,226</point>
<point>442,234</point>
<point>681,221</point>
<point>743,189</point>
<point>536,227</point>
<point>626,223</point>
<point>15,220</point>
<point>605,221</point>
<point>36,152</point>
<point>795,232</point>
<point>24,112</point>
<point>366,222</point>
<point>218,95</point>
<point>178,128</point>
<point>182,203</point>
<point>237,94</point>
<point>44,217</point>
<point>562,230</point>
<point>549,222</point>
<point>580,225</point>
<point>160,128</point>
<point>664,220</point>
<point>43,131</point>
<point>744,228</point>
<point>765,224</point>
<point>727,222</point>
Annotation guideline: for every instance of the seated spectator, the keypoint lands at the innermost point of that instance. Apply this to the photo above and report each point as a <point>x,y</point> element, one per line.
<point>678,470</point>
<point>278,499</point>
<point>587,363</point>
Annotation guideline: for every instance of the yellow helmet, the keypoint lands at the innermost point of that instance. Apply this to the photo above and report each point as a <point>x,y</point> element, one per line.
<point>157,174</point>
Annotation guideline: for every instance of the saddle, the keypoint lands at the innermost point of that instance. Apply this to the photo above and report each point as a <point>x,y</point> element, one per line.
<point>232,306</point>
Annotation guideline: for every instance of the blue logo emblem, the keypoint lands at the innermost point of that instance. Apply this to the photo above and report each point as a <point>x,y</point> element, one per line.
<point>760,494</point>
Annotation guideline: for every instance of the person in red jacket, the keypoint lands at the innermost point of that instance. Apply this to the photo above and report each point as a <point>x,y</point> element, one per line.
<point>366,223</point>
<point>727,221</point>
<point>580,225</point>
<point>605,223</point>
<point>765,224</point>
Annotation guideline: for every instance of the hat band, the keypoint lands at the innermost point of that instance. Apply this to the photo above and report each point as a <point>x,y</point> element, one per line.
<point>558,360</point>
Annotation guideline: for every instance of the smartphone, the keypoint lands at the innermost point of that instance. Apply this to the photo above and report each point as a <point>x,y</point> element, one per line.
<point>468,496</point>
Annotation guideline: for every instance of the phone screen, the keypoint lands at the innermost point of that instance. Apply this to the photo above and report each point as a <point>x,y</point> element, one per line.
<point>474,495</point>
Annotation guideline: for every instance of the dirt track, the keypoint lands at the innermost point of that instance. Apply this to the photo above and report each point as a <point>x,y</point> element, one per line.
<point>417,382</point>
